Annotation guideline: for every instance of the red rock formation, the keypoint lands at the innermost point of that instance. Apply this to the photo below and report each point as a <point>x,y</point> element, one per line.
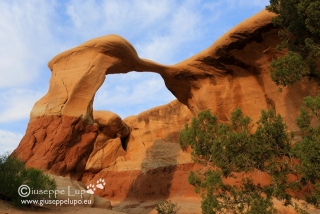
<point>152,161</point>
<point>140,155</point>
<point>61,144</point>
<point>109,144</point>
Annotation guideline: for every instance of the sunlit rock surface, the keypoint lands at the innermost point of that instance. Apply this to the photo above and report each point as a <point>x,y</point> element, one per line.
<point>139,156</point>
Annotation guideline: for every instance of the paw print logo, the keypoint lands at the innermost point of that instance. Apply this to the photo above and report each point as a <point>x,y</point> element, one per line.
<point>91,188</point>
<point>100,183</point>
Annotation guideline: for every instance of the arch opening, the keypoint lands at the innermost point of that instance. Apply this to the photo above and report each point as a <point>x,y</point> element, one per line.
<point>131,93</point>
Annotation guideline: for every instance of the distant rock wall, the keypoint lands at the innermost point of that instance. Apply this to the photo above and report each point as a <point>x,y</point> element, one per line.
<point>140,155</point>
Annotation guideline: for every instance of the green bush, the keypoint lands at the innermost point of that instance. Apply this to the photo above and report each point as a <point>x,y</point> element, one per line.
<point>166,207</point>
<point>299,24</point>
<point>235,149</point>
<point>229,150</point>
<point>308,150</point>
<point>13,174</point>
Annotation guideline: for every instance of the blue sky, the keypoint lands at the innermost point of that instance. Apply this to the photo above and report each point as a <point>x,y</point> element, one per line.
<point>166,31</point>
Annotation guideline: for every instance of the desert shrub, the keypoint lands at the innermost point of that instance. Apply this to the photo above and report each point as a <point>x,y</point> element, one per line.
<point>167,207</point>
<point>13,174</point>
<point>308,150</point>
<point>229,151</point>
<point>236,151</point>
<point>299,24</point>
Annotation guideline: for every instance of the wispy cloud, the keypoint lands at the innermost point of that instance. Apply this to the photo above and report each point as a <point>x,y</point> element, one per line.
<point>16,104</point>
<point>127,18</point>
<point>137,94</point>
<point>177,31</point>
<point>25,37</point>
<point>9,141</point>
<point>166,31</point>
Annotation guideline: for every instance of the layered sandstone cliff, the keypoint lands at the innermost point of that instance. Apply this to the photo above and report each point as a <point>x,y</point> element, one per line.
<point>140,155</point>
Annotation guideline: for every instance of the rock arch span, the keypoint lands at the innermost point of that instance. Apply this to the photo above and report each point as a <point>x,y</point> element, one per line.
<point>65,138</point>
<point>78,73</point>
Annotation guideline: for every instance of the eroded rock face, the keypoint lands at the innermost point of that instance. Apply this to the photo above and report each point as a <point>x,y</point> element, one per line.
<point>110,143</point>
<point>58,143</point>
<point>66,137</point>
<point>153,164</point>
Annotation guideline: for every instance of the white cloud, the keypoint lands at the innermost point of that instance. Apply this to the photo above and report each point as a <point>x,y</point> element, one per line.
<point>158,29</point>
<point>16,104</point>
<point>24,40</point>
<point>124,17</point>
<point>9,141</point>
<point>119,93</point>
<point>166,31</point>
<point>179,29</point>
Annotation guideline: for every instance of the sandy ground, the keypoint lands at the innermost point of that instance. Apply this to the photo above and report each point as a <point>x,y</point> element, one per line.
<point>187,206</point>
<point>6,208</point>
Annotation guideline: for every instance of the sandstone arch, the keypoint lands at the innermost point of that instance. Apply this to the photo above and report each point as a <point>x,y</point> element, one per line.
<point>79,72</point>
<point>233,72</point>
